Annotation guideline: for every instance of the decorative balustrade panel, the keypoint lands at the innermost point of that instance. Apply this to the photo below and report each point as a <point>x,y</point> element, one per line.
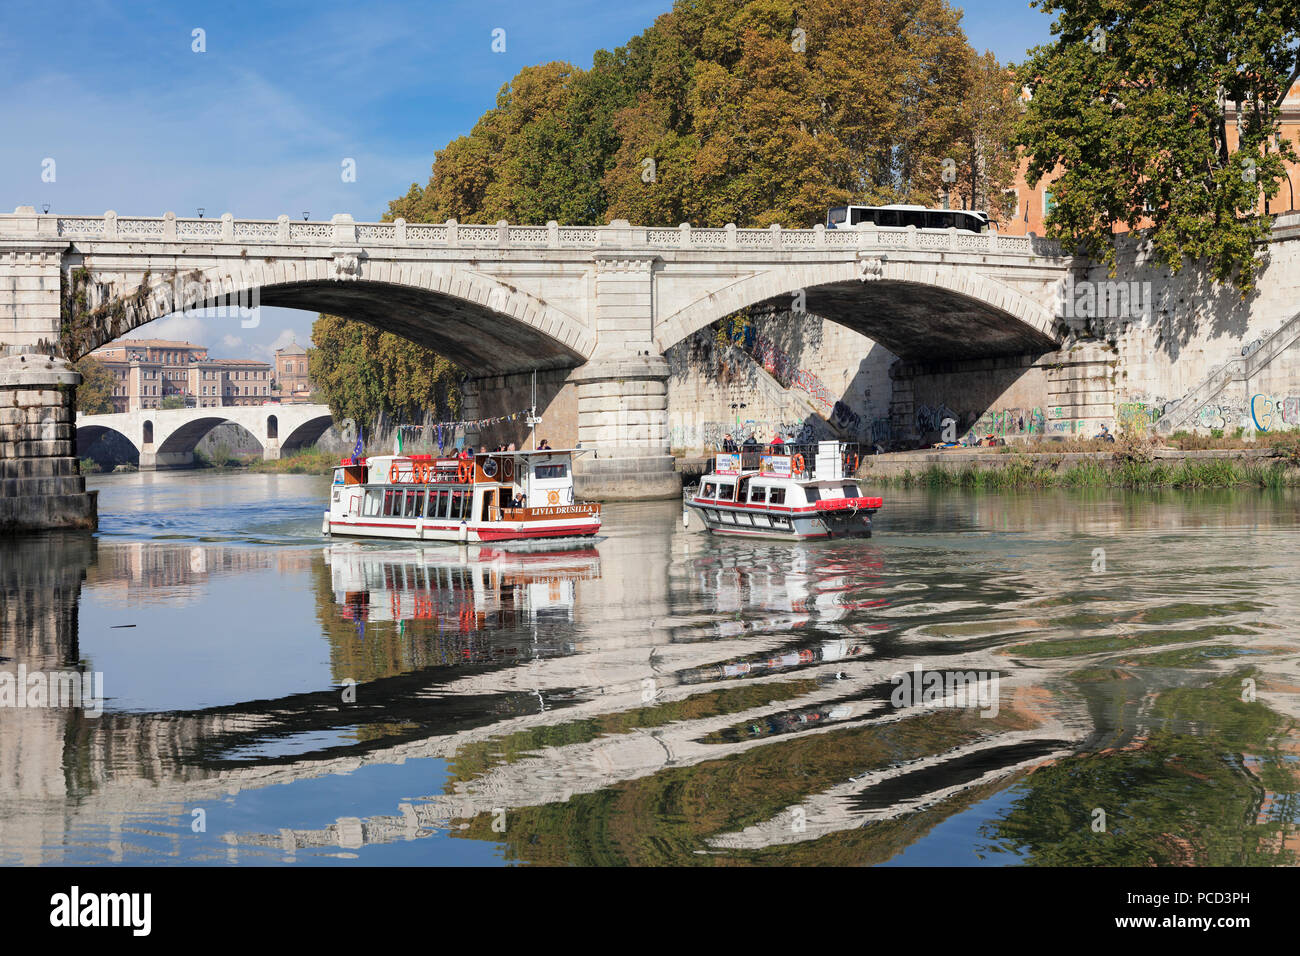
<point>582,237</point>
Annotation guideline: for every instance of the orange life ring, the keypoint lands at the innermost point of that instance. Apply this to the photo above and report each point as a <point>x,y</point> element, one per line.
<point>394,474</point>
<point>465,472</point>
<point>797,464</point>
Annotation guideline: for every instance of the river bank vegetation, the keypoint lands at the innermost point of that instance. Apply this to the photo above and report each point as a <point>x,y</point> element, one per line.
<point>1024,472</point>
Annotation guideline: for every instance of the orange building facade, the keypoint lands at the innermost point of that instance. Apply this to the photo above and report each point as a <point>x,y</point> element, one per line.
<point>1033,204</point>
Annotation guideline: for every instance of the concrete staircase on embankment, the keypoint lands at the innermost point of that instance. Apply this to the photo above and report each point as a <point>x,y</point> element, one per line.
<point>796,402</point>
<point>1182,414</point>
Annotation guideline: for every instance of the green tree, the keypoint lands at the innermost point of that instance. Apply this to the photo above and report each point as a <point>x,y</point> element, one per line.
<point>172,401</point>
<point>95,393</point>
<point>1164,114</point>
<point>363,373</point>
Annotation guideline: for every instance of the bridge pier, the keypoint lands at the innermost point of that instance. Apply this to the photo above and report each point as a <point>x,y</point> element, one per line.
<point>270,450</point>
<point>623,417</point>
<point>41,486</point>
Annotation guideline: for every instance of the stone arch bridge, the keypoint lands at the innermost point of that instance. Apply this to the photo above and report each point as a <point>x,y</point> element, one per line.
<point>166,438</point>
<point>591,306</point>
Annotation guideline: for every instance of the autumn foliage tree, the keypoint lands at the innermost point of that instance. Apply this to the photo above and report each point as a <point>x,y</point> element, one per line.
<point>367,375</point>
<point>754,112</point>
<point>95,393</point>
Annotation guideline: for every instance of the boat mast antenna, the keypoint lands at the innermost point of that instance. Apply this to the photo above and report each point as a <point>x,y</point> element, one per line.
<point>533,420</point>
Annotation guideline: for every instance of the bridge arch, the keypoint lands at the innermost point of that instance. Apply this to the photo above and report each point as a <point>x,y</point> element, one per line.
<point>916,310</point>
<point>185,437</point>
<point>89,435</point>
<point>306,433</point>
<point>477,321</point>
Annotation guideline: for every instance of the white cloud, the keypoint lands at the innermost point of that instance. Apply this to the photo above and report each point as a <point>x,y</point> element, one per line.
<point>231,341</point>
<point>179,327</point>
<point>286,337</point>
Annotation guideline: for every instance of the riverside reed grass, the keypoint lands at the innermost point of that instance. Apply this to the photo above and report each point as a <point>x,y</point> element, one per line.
<point>309,461</point>
<point>1023,473</point>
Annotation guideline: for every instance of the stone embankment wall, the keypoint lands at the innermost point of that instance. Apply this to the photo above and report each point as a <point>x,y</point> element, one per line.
<point>40,484</point>
<point>790,373</point>
<point>1198,351</point>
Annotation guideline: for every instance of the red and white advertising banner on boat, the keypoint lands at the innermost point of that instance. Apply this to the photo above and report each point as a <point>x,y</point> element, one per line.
<point>727,463</point>
<point>777,465</point>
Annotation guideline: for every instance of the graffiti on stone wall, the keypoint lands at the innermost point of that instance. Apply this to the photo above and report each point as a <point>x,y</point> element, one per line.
<point>931,419</point>
<point>1269,413</point>
<point>1011,421</point>
<point>1222,416</point>
<point>710,434</point>
<point>1138,416</point>
<point>882,430</point>
<point>782,366</point>
<point>846,418</point>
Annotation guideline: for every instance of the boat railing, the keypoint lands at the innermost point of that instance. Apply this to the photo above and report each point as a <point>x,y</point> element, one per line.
<point>751,457</point>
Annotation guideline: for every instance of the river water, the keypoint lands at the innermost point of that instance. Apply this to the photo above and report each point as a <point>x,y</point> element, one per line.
<point>993,679</point>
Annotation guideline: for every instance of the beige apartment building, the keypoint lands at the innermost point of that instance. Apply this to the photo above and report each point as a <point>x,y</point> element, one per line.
<point>151,370</point>
<point>291,374</point>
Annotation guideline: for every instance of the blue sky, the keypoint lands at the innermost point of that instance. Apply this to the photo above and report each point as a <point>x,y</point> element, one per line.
<point>260,123</point>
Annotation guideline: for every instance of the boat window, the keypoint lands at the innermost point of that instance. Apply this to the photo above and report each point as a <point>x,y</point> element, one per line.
<point>742,490</point>
<point>710,490</point>
<point>388,501</point>
<point>431,510</point>
<point>372,503</point>
<point>813,493</point>
<point>338,476</point>
<point>549,471</point>
<point>460,504</point>
<point>726,491</point>
<point>777,497</point>
<point>850,490</point>
<point>758,494</point>
<point>413,503</point>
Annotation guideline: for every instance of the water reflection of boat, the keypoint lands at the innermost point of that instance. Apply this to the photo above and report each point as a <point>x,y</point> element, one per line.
<point>456,587</point>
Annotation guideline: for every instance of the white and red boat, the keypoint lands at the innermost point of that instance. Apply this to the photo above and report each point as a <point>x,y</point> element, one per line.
<point>476,499</point>
<point>782,491</point>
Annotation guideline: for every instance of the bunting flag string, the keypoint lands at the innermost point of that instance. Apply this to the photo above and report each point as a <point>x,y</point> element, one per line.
<point>442,432</point>
<point>444,427</point>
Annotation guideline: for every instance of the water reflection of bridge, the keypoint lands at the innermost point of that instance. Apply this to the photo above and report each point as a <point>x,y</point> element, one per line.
<point>758,659</point>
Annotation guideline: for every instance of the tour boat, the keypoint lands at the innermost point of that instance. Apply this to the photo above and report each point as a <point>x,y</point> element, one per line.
<point>424,498</point>
<point>787,492</point>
